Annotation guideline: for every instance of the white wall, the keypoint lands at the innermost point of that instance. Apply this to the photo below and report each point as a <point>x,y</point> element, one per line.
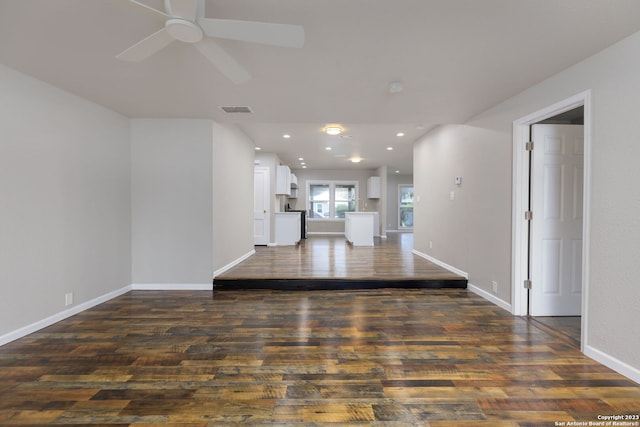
<point>473,231</point>
<point>172,201</point>
<point>233,156</point>
<point>64,200</point>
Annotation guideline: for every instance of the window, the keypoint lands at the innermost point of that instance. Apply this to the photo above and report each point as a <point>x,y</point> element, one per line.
<point>330,200</point>
<point>405,215</point>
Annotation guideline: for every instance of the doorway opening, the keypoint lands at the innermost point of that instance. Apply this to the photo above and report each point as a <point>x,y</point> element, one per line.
<point>550,216</point>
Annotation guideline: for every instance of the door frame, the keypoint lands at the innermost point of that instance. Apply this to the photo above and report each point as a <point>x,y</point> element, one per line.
<point>267,197</point>
<point>520,195</point>
<point>399,205</point>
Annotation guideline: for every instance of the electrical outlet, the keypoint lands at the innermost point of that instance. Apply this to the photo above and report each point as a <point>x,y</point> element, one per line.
<point>430,244</point>
<point>494,287</point>
<point>68,298</point>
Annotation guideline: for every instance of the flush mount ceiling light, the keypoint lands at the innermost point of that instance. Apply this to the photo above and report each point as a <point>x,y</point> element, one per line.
<point>286,136</point>
<point>400,134</point>
<point>333,130</point>
<point>389,148</point>
<point>396,87</point>
<point>355,160</point>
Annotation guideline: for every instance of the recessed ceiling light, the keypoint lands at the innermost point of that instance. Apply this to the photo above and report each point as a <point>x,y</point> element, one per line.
<point>355,159</point>
<point>258,148</point>
<point>397,171</point>
<point>389,148</point>
<point>302,163</point>
<point>333,129</point>
<point>400,134</point>
<point>300,158</point>
<point>304,167</point>
<point>328,148</point>
<point>286,136</point>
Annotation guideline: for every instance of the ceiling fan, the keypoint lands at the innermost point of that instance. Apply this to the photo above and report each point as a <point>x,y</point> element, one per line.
<point>185,22</point>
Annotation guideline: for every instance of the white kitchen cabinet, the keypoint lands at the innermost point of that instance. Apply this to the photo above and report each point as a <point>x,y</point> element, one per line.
<point>373,187</point>
<point>288,225</point>
<point>283,180</point>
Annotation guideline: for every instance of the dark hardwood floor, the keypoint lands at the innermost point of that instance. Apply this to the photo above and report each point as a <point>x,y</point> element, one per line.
<point>385,357</point>
<point>329,262</point>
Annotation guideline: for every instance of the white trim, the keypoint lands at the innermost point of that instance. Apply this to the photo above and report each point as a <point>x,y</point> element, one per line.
<point>234,263</point>
<point>172,287</point>
<point>520,195</point>
<point>613,363</point>
<point>325,233</point>
<point>489,297</point>
<point>41,324</point>
<point>442,264</point>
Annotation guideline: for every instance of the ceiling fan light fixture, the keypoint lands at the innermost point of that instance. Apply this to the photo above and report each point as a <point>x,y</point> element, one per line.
<point>183,30</point>
<point>333,130</point>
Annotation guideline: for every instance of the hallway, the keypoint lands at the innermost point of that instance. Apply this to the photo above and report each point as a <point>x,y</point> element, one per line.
<point>436,357</point>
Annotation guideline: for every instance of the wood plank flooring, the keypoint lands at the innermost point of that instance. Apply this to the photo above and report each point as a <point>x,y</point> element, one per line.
<point>388,357</point>
<point>329,262</point>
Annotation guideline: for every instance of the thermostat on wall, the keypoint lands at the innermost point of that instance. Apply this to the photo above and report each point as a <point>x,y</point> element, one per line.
<point>458,180</point>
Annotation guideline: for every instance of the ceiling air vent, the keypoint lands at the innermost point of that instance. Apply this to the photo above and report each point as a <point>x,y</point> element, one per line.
<point>236,110</point>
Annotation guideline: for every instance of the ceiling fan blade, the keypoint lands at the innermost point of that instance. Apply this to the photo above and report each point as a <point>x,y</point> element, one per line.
<point>223,61</point>
<point>150,8</point>
<point>283,35</point>
<point>185,9</point>
<point>147,47</point>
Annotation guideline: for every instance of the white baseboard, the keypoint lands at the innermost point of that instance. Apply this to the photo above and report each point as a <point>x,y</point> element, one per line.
<point>489,297</point>
<point>325,233</point>
<point>41,324</point>
<point>613,363</point>
<point>441,264</point>
<point>172,286</point>
<point>233,263</point>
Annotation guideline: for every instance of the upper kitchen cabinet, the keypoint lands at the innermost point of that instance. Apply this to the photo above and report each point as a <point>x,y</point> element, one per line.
<point>373,187</point>
<point>294,187</point>
<point>283,180</point>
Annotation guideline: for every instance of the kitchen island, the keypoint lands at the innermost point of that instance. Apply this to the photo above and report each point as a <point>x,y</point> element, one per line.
<point>358,227</point>
<point>287,225</point>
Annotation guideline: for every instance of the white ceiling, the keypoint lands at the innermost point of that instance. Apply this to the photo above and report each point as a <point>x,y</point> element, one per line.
<point>454,57</point>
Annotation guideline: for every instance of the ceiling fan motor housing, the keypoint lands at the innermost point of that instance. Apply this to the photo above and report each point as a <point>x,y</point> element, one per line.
<point>183,30</point>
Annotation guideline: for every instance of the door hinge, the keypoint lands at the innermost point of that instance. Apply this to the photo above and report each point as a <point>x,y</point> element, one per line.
<point>527,284</point>
<point>528,215</point>
<point>528,146</point>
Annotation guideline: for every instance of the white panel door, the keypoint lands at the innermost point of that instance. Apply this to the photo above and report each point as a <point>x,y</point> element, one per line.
<point>556,229</point>
<point>261,218</point>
